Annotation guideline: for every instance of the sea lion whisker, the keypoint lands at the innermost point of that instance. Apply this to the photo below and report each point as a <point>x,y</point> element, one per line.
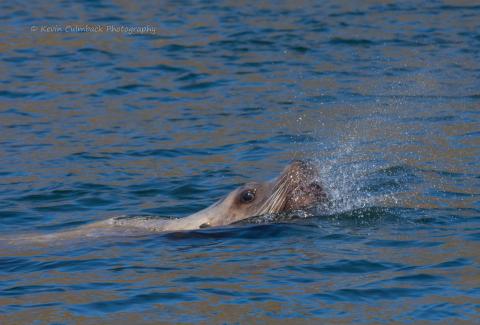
<point>270,205</point>
<point>266,205</point>
<point>279,200</point>
<point>276,198</point>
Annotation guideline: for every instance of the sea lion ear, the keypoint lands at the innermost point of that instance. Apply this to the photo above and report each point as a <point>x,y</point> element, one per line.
<point>205,225</point>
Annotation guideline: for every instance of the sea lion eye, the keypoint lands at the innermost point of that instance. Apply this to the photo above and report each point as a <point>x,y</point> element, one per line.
<point>247,196</point>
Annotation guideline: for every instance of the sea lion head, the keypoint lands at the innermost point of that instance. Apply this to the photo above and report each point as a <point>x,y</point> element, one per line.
<point>298,187</point>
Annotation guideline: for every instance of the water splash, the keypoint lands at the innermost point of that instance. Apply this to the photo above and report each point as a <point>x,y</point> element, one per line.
<point>346,174</point>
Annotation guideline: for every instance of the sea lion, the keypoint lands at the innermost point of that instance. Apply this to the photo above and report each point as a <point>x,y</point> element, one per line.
<point>298,187</point>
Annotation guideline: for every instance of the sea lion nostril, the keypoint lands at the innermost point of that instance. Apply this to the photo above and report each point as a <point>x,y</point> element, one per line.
<point>316,186</point>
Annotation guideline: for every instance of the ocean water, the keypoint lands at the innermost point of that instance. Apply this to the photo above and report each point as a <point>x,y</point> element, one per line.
<point>384,96</point>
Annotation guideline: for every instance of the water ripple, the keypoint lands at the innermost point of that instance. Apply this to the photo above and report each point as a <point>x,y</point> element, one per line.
<point>384,97</point>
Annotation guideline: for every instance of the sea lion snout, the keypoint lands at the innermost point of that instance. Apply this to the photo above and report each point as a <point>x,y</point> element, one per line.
<point>303,178</point>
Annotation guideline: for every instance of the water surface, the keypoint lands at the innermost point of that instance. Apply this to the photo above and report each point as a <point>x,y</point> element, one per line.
<point>385,96</point>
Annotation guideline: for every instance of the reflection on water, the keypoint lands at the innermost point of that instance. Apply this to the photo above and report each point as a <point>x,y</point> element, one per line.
<point>384,96</point>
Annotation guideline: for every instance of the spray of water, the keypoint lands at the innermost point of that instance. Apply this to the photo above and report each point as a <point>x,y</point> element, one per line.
<point>347,165</point>
<point>342,181</point>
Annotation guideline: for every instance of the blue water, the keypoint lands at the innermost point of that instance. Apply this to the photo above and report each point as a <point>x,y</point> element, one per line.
<point>385,97</point>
